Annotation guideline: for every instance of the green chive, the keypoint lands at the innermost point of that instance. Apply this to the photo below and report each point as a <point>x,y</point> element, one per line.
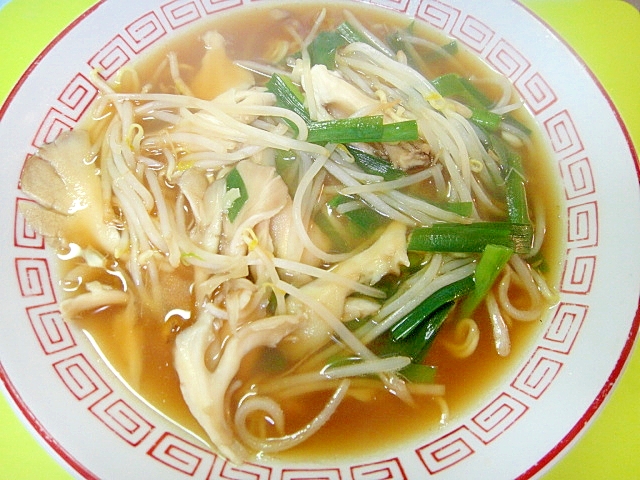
<point>491,263</point>
<point>485,119</point>
<point>416,345</point>
<point>322,50</point>
<point>406,325</point>
<point>360,221</point>
<point>350,34</point>
<point>374,165</point>
<point>473,237</point>
<point>234,181</point>
<point>288,95</point>
<point>361,129</point>
<point>419,373</point>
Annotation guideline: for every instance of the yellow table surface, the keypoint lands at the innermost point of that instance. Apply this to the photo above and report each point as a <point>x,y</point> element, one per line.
<point>605,33</point>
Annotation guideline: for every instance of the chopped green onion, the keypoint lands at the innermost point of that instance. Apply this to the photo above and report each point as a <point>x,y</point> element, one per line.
<point>288,95</point>
<point>346,130</point>
<point>491,263</point>
<point>485,119</point>
<point>514,179</point>
<point>448,85</point>
<point>405,131</point>
<point>234,182</point>
<point>322,50</point>
<point>459,88</point>
<point>361,221</point>
<point>474,237</point>
<point>287,166</point>
<point>419,373</point>
<point>464,209</point>
<point>508,119</point>
<point>516,194</point>
<point>330,225</point>
<point>350,34</point>
<point>374,165</point>
<point>476,94</point>
<point>454,86</point>
<point>407,324</point>
<point>497,145</point>
<point>346,230</point>
<point>417,57</point>
<point>397,43</point>
<point>361,129</point>
<point>516,197</point>
<point>417,345</point>
<point>539,262</point>
<point>272,304</point>
<point>451,48</point>
<point>365,220</point>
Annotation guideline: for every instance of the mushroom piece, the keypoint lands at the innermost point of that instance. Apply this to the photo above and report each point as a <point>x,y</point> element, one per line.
<point>68,204</point>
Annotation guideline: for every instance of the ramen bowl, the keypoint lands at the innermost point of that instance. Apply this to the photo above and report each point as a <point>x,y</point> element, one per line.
<point>81,409</point>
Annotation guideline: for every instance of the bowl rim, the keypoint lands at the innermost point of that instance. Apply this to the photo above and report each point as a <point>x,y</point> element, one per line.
<point>546,460</point>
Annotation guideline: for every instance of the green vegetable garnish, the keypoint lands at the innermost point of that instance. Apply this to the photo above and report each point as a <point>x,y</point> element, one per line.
<point>403,328</point>
<point>491,263</point>
<point>234,181</point>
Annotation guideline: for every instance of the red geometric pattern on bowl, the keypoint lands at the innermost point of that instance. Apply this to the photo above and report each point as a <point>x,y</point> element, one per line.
<point>390,469</point>
<point>81,378</point>
<point>564,327</point>
<point>144,31</point>
<point>183,456</point>
<point>439,15</point>
<point>497,416</point>
<point>122,419</point>
<point>397,5</point>
<point>77,96</point>
<point>311,474</point>
<point>23,235</point>
<point>51,330</point>
<point>112,57</point>
<point>583,225</point>
<point>229,471</point>
<point>71,104</point>
<point>182,12</point>
<point>538,373</point>
<point>449,449</point>
<point>215,6</point>
<point>482,39</point>
<point>577,177</point>
<point>579,270</point>
<point>506,59</point>
<point>488,424</point>
<point>536,92</point>
<point>53,124</point>
<point>88,387</point>
<point>34,279</point>
<point>475,34</point>
<point>562,132</point>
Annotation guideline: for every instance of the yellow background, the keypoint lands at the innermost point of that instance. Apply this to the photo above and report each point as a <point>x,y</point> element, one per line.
<point>605,33</point>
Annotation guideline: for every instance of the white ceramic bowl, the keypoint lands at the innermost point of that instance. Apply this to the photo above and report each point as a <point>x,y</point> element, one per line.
<point>80,409</point>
